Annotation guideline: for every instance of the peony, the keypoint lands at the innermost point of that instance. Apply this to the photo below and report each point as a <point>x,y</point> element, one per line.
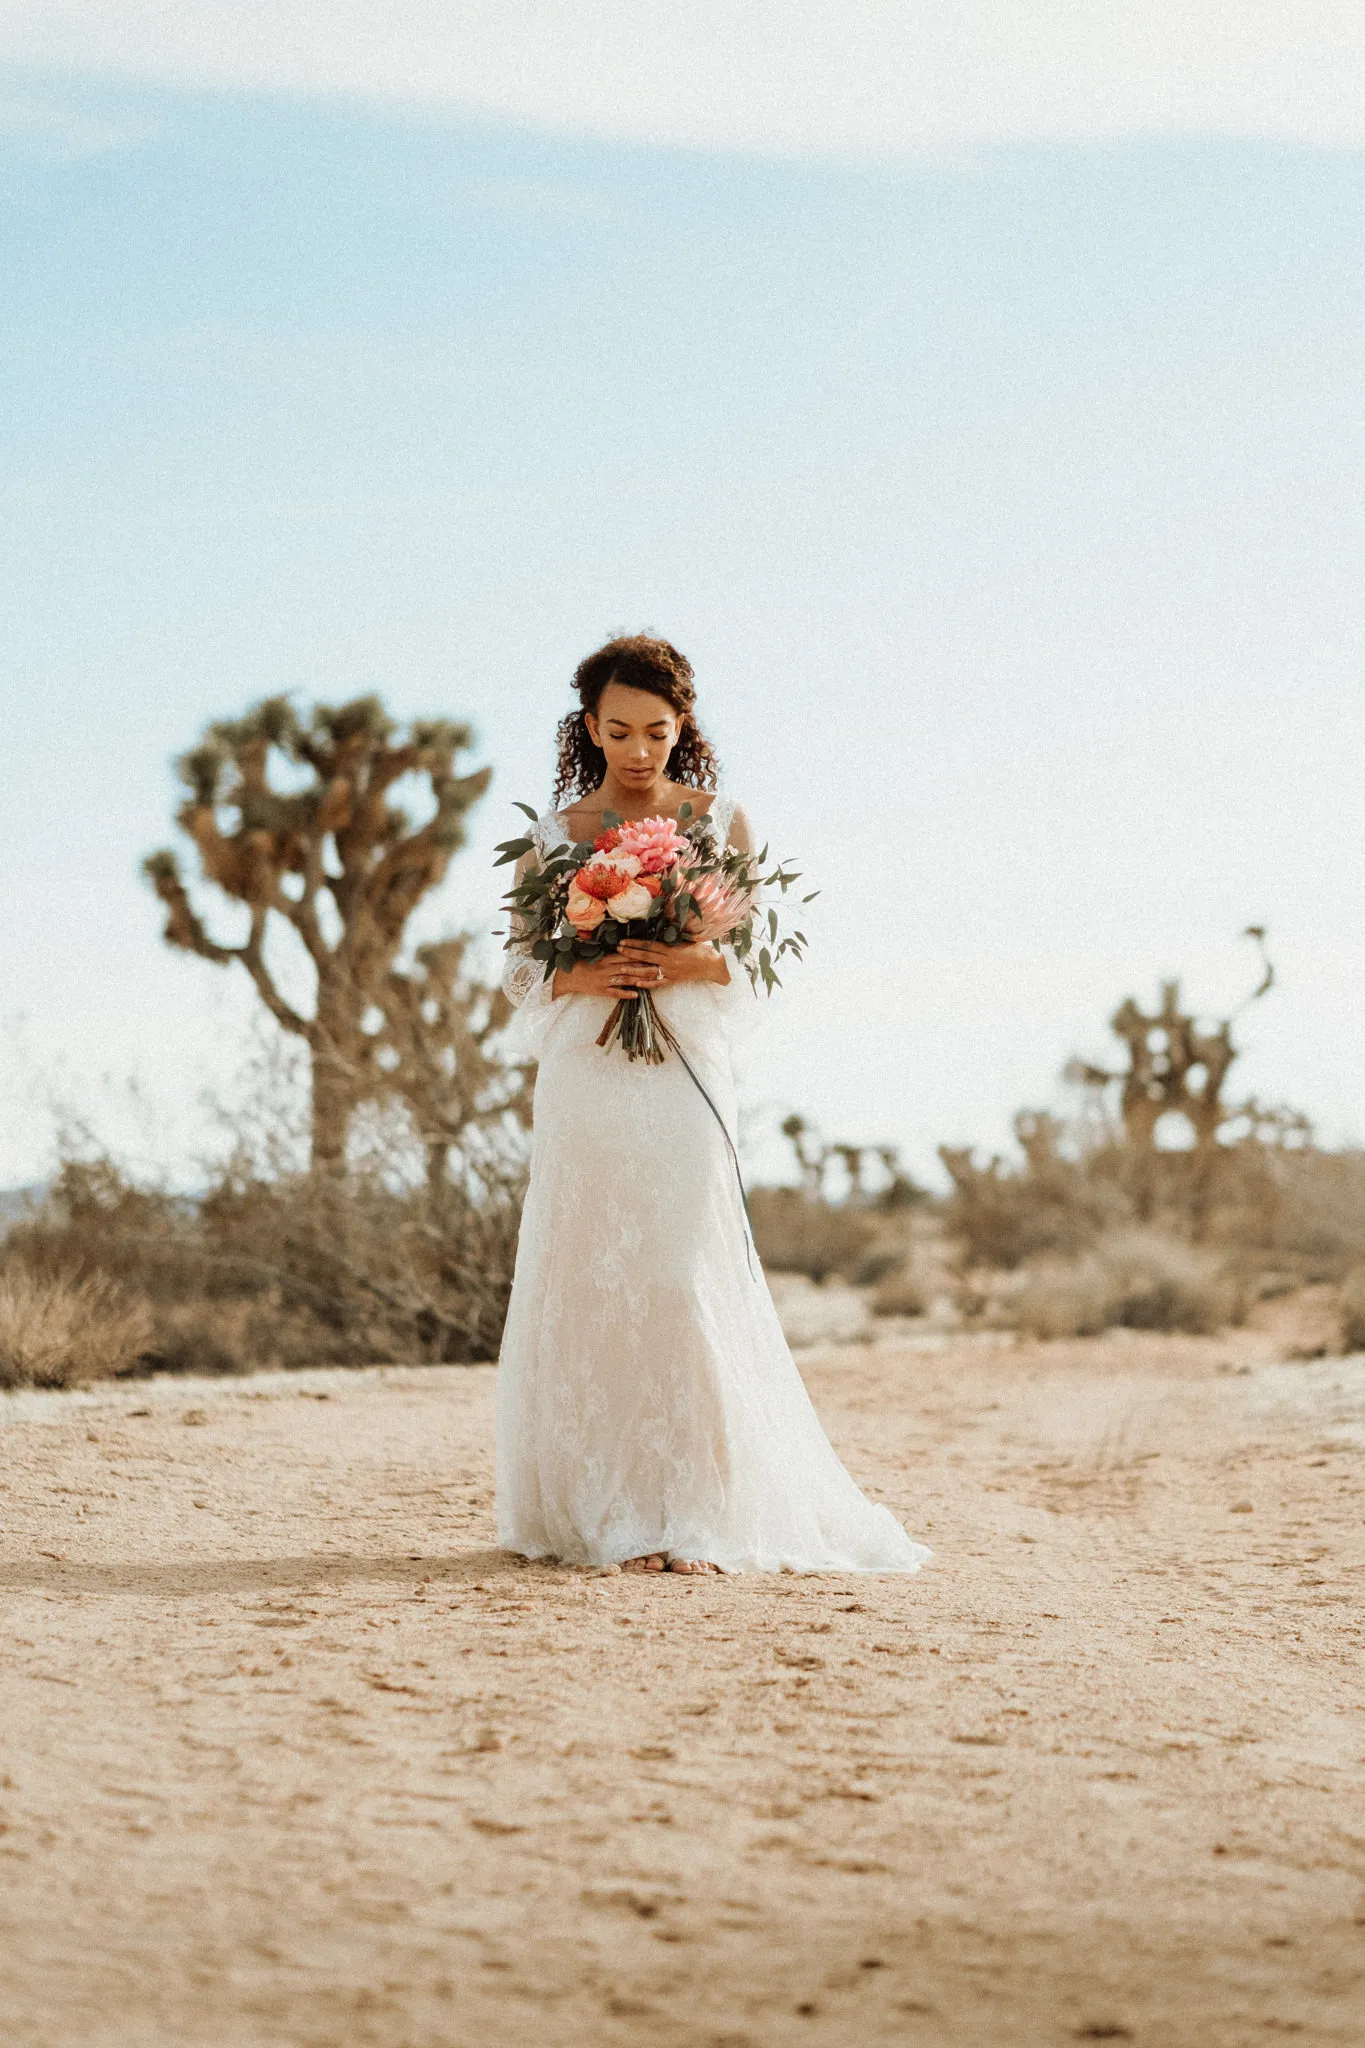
<point>656,842</point>
<point>583,911</point>
<point>637,899</point>
<point>605,841</point>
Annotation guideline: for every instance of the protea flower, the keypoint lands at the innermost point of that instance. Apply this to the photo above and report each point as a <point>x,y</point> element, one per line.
<point>720,907</point>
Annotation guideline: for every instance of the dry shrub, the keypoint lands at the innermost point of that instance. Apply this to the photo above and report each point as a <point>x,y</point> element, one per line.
<point>290,1270</point>
<point>1298,1209</point>
<point>901,1292</point>
<point>1291,1210</point>
<point>797,1232</point>
<point>1135,1279</point>
<point>62,1330</point>
<point>1004,1216</point>
<point>1353,1311</point>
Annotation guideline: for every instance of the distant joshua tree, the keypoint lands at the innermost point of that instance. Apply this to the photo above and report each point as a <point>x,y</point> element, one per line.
<point>334,861</point>
<point>815,1156</point>
<point>1174,1065</point>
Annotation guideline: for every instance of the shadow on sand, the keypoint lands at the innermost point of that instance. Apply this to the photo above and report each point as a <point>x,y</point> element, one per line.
<point>198,1578</point>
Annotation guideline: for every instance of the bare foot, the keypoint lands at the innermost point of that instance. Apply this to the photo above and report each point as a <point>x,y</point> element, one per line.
<point>694,1566</point>
<point>653,1563</point>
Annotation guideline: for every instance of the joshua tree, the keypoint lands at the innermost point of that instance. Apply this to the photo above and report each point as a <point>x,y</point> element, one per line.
<point>815,1156</point>
<point>435,1054</point>
<point>335,862</point>
<point>1173,1064</point>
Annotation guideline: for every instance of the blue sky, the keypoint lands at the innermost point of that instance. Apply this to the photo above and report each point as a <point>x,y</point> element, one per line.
<point>1007,499</point>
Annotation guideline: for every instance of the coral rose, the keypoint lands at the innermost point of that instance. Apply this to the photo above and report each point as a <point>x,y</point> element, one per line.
<point>583,911</point>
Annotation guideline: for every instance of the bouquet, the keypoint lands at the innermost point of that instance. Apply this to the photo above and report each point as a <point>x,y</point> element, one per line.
<point>648,878</point>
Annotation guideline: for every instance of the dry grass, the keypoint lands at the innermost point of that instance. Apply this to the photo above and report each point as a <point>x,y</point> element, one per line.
<point>1135,1279</point>
<point>1353,1311</point>
<point>797,1232</point>
<point>902,1291</point>
<point>279,1271</point>
<point>57,1330</point>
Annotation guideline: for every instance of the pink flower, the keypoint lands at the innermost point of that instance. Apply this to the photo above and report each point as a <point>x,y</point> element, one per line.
<point>657,843</point>
<point>720,907</point>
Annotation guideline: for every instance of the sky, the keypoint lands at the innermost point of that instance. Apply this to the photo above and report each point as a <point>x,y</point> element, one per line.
<point>974,393</point>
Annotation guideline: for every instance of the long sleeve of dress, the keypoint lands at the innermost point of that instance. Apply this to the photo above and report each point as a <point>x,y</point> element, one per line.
<point>523,979</point>
<point>737,1002</point>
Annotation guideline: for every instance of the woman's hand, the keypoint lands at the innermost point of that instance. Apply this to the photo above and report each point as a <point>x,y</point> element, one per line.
<point>659,965</point>
<point>611,976</point>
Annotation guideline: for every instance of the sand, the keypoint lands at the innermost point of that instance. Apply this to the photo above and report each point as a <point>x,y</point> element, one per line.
<point>292,1754</point>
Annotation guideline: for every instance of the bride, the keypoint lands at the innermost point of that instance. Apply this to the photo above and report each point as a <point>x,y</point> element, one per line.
<point>649,1411</point>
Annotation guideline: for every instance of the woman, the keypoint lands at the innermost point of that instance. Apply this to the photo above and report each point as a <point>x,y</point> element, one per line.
<point>649,1412</point>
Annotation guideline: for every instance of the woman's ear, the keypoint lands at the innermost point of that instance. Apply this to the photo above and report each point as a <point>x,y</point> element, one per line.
<point>594,729</point>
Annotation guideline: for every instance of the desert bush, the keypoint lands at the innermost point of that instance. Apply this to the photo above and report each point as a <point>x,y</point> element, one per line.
<point>1064,1298</point>
<point>291,1269</point>
<point>62,1330</point>
<point>1004,1216</point>
<point>1135,1279</point>
<point>1299,1209</point>
<point>1353,1311</point>
<point>901,1291</point>
<point>799,1232</point>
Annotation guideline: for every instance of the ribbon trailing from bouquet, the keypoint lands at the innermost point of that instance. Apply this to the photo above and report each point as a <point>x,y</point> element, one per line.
<point>652,1034</point>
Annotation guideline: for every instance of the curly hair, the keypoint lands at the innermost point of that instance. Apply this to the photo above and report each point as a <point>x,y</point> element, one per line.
<point>641,663</point>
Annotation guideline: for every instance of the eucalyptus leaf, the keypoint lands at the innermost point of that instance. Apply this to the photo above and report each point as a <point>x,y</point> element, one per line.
<point>610,820</point>
<point>518,805</point>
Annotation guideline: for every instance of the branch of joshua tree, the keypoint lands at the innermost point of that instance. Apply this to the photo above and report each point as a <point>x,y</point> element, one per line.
<point>302,910</point>
<point>184,927</point>
<point>252,957</point>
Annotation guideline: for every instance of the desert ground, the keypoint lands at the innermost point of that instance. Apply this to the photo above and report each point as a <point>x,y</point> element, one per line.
<point>293,1755</point>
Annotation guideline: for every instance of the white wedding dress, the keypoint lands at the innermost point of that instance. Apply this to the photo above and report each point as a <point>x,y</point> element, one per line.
<point>647,1400</point>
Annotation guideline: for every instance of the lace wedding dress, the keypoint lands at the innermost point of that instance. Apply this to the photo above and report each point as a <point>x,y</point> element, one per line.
<point>647,1400</point>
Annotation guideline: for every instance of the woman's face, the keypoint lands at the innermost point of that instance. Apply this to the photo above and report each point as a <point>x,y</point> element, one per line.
<point>636,731</point>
